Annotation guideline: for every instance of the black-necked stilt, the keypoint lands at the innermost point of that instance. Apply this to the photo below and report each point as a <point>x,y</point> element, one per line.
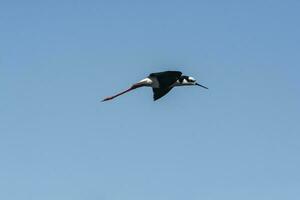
<point>161,83</point>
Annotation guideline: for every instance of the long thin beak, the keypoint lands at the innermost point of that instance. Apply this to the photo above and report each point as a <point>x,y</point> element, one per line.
<point>201,85</point>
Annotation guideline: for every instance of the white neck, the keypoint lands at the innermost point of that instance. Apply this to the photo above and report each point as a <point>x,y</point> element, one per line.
<point>183,83</point>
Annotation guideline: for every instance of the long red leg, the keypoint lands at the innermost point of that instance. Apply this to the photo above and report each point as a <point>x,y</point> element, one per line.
<point>128,90</point>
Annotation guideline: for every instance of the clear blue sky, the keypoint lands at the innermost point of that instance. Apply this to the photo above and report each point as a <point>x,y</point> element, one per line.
<point>238,140</point>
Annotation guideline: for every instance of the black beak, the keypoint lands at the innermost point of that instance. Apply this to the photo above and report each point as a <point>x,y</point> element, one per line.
<point>201,85</point>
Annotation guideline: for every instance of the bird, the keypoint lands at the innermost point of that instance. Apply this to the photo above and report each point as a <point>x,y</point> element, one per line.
<point>161,83</point>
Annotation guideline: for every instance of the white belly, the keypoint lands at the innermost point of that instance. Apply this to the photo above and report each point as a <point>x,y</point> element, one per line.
<point>149,82</point>
<point>154,82</point>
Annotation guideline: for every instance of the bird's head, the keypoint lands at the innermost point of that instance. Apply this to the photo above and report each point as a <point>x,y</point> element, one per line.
<point>188,80</point>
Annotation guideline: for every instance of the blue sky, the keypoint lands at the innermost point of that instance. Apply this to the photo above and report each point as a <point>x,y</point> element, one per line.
<point>238,140</point>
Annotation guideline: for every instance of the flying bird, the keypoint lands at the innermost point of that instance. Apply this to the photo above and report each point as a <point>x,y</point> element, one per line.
<point>161,83</point>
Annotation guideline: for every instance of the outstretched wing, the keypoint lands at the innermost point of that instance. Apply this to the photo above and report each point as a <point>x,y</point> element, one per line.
<point>167,78</point>
<point>160,92</point>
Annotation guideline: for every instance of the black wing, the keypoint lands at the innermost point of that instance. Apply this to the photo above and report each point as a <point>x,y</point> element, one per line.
<point>167,78</point>
<point>160,92</point>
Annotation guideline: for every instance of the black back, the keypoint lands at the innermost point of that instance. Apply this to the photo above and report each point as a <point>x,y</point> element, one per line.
<point>166,80</point>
